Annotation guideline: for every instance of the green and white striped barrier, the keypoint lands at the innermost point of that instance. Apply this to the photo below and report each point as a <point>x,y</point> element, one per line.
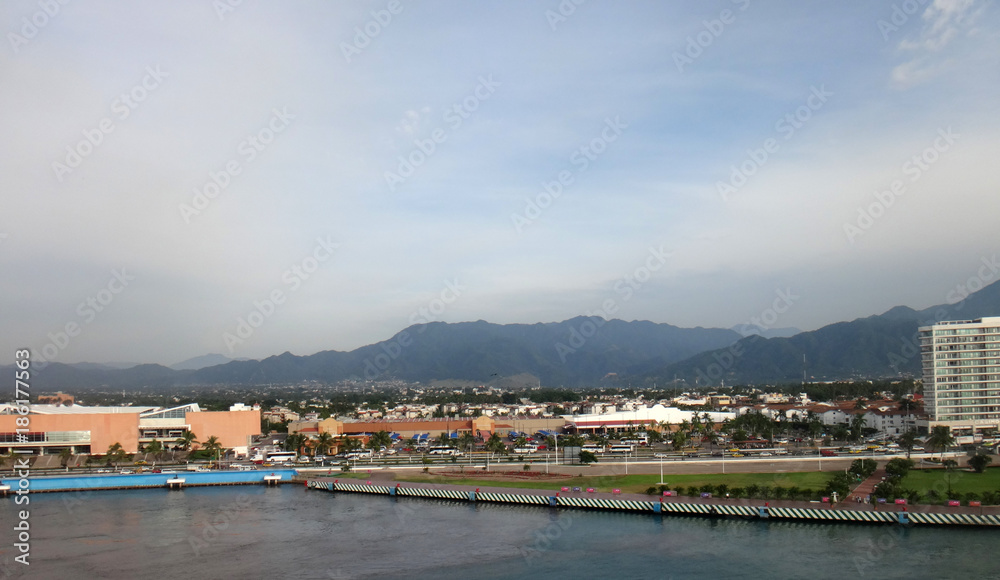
<point>608,504</point>
<point>832,515</point>
<point>705,509</point>
<point>376,489</point>
<point>673,508</point>
<point>512,498</point>
<point>954,519</point>
<point>436,493</point>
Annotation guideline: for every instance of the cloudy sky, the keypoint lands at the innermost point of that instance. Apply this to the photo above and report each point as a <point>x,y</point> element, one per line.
<point>190,177</point>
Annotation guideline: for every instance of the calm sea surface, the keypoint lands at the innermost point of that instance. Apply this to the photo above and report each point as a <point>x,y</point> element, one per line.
<point>255,532</point>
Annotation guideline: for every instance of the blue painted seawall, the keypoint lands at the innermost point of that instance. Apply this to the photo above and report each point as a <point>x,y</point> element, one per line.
<point>146,480</point>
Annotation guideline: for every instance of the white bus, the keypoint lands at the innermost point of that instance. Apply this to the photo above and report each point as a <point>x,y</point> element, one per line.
<point>622,449</point>
<point>443,450</point>
<point>593,448</point>
<point>282,456</point>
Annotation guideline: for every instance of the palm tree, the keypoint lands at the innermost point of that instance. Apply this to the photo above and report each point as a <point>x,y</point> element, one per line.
<point>380,440</point>
<point>941,437</point>
<point>323,443</point>
<point>154,446</point>
<point>907,440</point>
<point>680,438</point>
<point>186,440</point>
<point>466,441</point>
<point>116,453</point>
<point>64,456</point>
<point>348,444</point>
<point>212,445</point>
<point>495,445</point>
<point>858,422</point>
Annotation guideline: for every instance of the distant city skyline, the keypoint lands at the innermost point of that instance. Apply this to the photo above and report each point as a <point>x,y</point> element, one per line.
<point>184,179</point>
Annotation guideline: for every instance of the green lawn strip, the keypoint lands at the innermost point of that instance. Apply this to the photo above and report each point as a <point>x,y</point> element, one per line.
<point>639,483</point>
<point>924,480</point>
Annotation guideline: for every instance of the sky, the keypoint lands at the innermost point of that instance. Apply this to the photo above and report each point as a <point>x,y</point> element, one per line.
<point>250,178</point>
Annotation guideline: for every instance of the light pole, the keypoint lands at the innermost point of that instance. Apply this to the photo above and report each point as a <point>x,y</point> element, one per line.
<point>661,469</point>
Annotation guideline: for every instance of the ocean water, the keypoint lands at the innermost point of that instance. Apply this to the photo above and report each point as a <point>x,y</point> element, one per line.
<point>258,532</point>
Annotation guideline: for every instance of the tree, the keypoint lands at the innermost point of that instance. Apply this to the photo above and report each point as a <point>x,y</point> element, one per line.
<point>587,457</point>
<point>324,441</point>
<point>116,453</point>
<point>495,444</point>
<point>949,466</point>
<point>379,440</point>
<point>979,462</point>
<point>186,440</point>
<point>154,446</point>
<point>65,455</point>
<point>907,441</point>
<point>940,437</point>
<point>349,444</point>
<point>680,438</point>
<point>212,445</point>
<point>467,441</point>
<point>858,423</point>
<point>898,468</point>
<point>294,442</point>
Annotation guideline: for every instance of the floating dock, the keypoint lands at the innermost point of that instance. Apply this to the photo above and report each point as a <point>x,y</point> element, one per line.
<point>668,508</point>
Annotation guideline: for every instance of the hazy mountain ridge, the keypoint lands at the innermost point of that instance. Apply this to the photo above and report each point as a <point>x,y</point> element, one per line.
<point>873,347</point>
<point>575,352</point>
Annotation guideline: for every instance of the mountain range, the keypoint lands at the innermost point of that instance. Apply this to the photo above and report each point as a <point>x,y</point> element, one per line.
<point>582,351</point>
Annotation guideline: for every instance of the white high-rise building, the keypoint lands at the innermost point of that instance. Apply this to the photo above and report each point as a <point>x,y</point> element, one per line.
<point>961,372</point>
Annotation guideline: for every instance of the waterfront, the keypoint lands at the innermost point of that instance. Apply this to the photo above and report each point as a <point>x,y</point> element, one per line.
<point>257,532</point>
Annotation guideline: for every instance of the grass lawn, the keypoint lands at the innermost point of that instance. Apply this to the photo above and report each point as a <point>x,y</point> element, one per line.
<point>639,483</point>
<point>923,480</point>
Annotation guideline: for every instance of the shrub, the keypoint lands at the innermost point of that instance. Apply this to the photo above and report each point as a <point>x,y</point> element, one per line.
<point>651,490</point>
<point>526,467</point>
<point>780,492</point>
<point>722,489</point>
<point>738,492</point>
<point>693,491</point>
<point>753,490</point>
<point>707,488</point>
